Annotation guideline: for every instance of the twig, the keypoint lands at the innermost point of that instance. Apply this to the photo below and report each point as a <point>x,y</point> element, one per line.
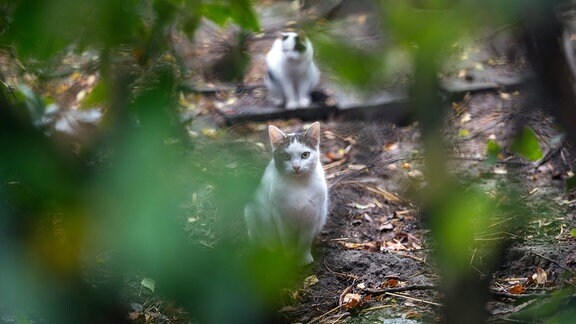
<point>334,164</point>
<point>471,158</point>
<point>553,261</point>
<point>375,308</point>
<point>319,318</point>
<point>497,31</point>
<point>377,292</point>
<point>352,276</point>
<point>551,152</point>
<point>414,299</point>
<point>502,294</point>
<point>413,257</point>
<point>410,157</point>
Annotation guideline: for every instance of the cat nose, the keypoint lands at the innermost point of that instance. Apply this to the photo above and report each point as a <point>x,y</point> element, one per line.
<point>296,167</point>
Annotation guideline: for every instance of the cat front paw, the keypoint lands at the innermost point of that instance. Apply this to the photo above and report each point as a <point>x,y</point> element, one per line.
<point>304,102</point>
<point>306,260</point>
<point>292,104</point>
<point>278,102</point>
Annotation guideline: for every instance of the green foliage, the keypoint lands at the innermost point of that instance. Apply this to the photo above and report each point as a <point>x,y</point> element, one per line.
<point>39,29</point>
<point>238,11</point>
<point>556,308</point>
<point>527,145</point>
<point>492,151</point>
<point>123,196</point>
<point>99,95</point>
<point>149,283</point>
<point>457,222</point>
<point>352,65</point>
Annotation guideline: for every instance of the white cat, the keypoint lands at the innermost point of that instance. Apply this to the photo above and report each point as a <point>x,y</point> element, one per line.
<point>291,203</point>
<point>292,74</point>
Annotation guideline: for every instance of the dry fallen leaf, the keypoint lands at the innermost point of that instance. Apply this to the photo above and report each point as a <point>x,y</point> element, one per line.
<point>540,277</point>
<point>370,246</point>
<point>335,156</point>
<point>395,245</point>
<point>361,207</point>
<point>390,146</point>
<point>517,289</point>
<point>390,283</point>
<point>416,174</point>
<point>466,117</point>
<point>386,227</point>
<point>505,96</point>
<point>499,170</point>
<point>210,133</point>
<point>310,281</point>
<point>463,133</point>
<point>134,315</point>
<point>351,301</point>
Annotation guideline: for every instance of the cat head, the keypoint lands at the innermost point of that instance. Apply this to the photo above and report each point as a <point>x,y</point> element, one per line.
<point>294,42</point>
<point>295,154</point>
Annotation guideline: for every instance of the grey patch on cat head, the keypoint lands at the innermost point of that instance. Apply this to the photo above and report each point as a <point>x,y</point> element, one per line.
<point>299,47</point>
<point>294,42</point>
<point>307,138</point>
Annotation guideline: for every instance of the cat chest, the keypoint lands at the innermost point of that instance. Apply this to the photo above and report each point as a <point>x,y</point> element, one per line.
<point>299,199</point>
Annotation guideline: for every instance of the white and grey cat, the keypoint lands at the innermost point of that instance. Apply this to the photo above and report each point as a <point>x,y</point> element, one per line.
<point>292,74</point>
<point>291,203</point>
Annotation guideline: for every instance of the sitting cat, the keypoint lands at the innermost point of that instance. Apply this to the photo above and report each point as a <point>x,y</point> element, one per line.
<point>292,73</point>
<point>291,203</point>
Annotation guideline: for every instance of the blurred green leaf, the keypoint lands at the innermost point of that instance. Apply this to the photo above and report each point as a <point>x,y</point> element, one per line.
<point>555,306</point>
<point>98,96</point>
<point>573,232</point>
<point>217,12</point>
<point>463,217</point>
<point>244,15</point>
<point>149,283</point>
<point>350,63</point>
<point>527,145</point>
<point>240,12</point>
<point>492,151</point>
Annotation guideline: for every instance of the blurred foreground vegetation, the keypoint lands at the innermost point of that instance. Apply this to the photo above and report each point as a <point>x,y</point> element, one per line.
<point>69,209</point>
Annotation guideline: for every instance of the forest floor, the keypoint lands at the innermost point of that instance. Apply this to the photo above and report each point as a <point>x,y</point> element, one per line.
<point>373,259</point>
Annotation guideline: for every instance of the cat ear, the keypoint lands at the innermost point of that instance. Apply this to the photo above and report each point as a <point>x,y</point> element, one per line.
<point>313,133</point>
<point>276,136</point>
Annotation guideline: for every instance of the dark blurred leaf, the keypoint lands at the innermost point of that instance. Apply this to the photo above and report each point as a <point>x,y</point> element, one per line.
<point>570,184</point>
<point>559,303</point>
<point>527,145</point>
<point>218,13</point>
<point>244,15</point>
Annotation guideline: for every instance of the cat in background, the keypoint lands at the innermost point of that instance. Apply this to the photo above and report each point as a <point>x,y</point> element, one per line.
<point>292,74</point>
<point>291,203</point>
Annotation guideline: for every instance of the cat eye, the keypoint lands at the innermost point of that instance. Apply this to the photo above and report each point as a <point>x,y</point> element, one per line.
<point>305,155</point>
<point>284,37</point>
